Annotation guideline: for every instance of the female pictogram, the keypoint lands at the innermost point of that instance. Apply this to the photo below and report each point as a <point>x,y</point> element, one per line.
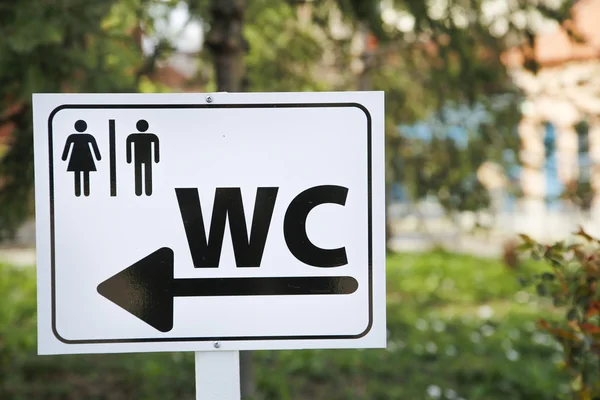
<point>81,161</point>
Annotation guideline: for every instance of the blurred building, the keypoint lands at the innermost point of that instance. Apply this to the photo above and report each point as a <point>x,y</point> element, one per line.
<point>559,155</point>
<point>561,112</point>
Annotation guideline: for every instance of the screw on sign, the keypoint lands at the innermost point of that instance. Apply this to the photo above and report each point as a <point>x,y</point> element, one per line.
<point>207,223</point>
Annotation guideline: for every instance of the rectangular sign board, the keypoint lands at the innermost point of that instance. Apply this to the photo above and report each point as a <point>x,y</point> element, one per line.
<point>171,222</point>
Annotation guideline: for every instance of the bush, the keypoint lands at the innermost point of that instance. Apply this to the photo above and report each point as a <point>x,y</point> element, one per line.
<point>458,328</point>
<point>571,282</point>
<point>25,375</point>
<point>17,325</point>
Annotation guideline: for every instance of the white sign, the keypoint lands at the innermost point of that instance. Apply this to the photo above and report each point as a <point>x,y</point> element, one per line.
<point>171,222</point>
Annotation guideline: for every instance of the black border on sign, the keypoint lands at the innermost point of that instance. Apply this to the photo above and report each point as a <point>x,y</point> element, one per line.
<point>198,106</point>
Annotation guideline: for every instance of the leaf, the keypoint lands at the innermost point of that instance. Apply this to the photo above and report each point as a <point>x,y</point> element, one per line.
<point>542,323</point>
<point>573,314</point>
<point>523,247</point>
<point>541,289</point>
<point>584,394</point>
<point>527,240</point>
<point>555,262</point>
<point>523,281</point>
<point>547,276</point>
<point>577,383</point>
<point>593,309</point>
<point>574,246</point>
<point>581,232</point>
<point>589,328</point>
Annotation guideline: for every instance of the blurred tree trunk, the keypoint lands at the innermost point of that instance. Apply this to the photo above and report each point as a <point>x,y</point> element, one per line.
<point>228,47</point>
<point>226,43</point>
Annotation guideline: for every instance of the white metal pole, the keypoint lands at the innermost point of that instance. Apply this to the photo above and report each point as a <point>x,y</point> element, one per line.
<point>218,375</point>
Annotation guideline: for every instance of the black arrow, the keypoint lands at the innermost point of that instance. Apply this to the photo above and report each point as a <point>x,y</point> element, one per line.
<point>146,289</point>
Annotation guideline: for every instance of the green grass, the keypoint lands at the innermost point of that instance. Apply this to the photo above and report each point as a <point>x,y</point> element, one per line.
<point>459,327</point>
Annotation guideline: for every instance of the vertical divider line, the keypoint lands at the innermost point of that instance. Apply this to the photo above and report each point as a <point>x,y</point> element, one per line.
<point>113,157</point>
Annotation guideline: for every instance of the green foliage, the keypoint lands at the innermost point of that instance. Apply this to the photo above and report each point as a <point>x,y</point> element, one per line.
<point>444,163</point>
<point>67,45</point>
<point>24,375</point>
<point>448,61</point>
<point>364,12</point>
<point>450,58</point>
<point>454,331</point>
<point>282,53</point>
<point>17,320</point>
<point>455,328</point>
<point>571,282</point>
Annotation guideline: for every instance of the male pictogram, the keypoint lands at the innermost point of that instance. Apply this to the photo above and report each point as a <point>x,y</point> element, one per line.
<point>142,155</point>
<point>81,161</point>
